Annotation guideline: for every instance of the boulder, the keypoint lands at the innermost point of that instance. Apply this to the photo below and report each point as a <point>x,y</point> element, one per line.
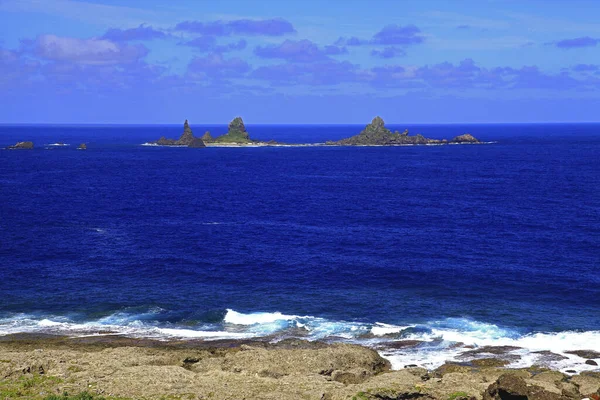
<point>22,146</point>
<point>585,353</point>
<point>510,386</point>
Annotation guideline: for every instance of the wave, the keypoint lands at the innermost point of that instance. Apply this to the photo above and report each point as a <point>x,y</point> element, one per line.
<point>161,145</point>
<point>428,344</point>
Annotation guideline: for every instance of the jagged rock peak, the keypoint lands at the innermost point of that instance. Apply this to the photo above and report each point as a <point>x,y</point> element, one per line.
<point>237,127</point>
<point>377,123</point>
<point>207,137</point>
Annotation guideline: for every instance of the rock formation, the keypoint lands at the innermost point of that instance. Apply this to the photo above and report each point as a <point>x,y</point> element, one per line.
<point>187,138</point>
<point>376,134</point>
<point>82,146</point>
<point>207,137</point>
<point>21,146</point>
<point>237,133</point>
<point>466,138</point>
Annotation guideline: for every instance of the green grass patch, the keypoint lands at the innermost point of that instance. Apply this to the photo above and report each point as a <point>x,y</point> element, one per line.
<point>458,395</point>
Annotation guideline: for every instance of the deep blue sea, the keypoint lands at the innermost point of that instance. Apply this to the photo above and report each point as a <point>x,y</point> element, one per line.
<point>479,244</point>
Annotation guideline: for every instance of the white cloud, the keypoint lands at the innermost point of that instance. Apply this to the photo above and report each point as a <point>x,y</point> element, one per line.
<point>86,51</point>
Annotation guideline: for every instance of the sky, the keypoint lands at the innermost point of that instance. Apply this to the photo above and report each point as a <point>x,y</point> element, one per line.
<point>299,62</point>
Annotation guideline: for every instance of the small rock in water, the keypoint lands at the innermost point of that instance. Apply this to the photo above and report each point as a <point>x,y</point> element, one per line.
<point>21,146</point>
<point>591,362</point>
<point>411,366</point>
<point>570,371</point>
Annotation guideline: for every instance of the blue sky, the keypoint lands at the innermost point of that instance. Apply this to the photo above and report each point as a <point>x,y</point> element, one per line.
<point>67,61</point>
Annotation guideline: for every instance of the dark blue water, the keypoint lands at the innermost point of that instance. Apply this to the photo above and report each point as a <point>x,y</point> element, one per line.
<point>504,234</point>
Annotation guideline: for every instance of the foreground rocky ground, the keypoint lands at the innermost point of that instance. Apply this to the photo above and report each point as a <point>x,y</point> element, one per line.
<point>34,367</point>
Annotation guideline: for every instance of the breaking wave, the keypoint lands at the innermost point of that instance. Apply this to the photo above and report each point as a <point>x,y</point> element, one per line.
<point>428,345</point>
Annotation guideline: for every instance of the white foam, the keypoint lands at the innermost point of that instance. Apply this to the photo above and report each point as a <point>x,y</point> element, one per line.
<point>162,145</point>
<point>190,333</point>
<point>440,338</point>
<point>234,317</point>
<point>380,329</point>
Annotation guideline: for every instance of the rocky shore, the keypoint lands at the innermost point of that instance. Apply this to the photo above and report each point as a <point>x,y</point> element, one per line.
<point>111,367</point>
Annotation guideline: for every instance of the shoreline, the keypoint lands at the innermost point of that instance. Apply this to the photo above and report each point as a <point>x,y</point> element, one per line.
<point>114,366</point>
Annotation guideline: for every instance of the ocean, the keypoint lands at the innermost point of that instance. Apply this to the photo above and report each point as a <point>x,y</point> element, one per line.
<point>459,245</point>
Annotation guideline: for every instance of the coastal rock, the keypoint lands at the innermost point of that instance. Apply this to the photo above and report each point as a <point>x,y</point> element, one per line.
<point>187,138</point>
<point>591,362</point>
<point>236,134</point>
<point>510,386</point>
<point>207,137</point>
<point>196,143</point>
<point>588,383</point>
<point>489,362</point>
<point>22,146</point>
<point>585,353</point>
<point>450,367</point>
<point>236,126</point>
<point>82,146</point>
<point>376,134</point>
<point>466,138</point>
<point>163,141</point>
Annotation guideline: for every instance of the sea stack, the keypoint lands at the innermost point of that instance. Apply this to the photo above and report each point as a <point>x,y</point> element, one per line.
<point>187,138</point>
<point>22,146</point>
<point>207,137</point>
<point>236,134</point>
<point>82,146</point>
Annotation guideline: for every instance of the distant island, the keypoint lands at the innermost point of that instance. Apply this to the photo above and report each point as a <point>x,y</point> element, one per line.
<point>236,135</point>
<point>21,146</point>
<point>376,134</point>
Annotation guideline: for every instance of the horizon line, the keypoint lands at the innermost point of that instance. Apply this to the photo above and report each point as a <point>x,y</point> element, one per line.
<point>289,123</point>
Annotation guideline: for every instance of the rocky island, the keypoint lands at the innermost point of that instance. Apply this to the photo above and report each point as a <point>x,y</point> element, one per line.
<point>237,133</point>
<point>376,134</point>
<point>82,146</point>
<point>187,139</point>
<point>21,146</point>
